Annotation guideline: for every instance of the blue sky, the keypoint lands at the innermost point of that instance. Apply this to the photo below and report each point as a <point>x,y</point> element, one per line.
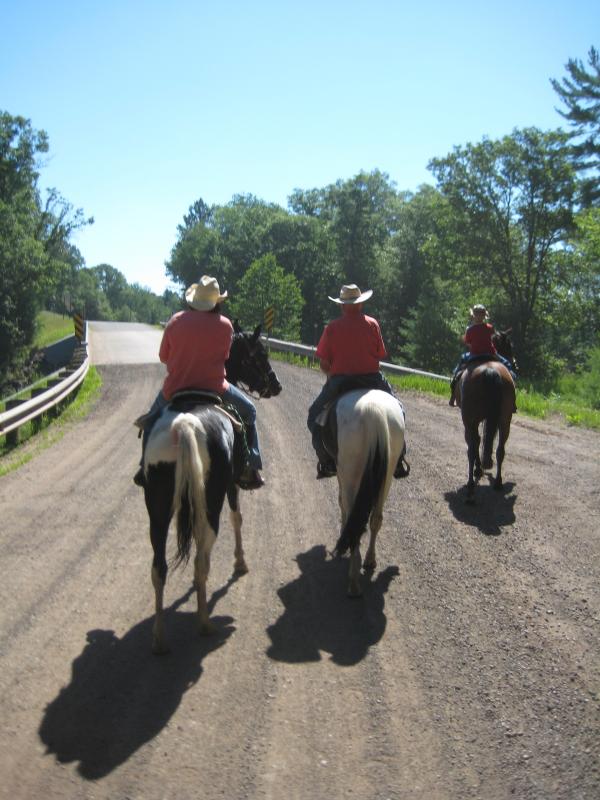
<point>152,105</point>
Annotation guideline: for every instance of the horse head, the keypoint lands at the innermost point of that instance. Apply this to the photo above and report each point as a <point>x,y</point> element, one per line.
<point>504,346</point>
<point>249,364</point>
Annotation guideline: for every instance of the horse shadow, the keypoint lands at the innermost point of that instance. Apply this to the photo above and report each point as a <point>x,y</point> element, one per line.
<point>492,510</point>
<point>121,696</point>
<point>319,616</point>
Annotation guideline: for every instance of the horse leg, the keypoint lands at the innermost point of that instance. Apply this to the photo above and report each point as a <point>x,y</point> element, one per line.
<point>345,497</point>
<point>239,564</point>
<point>500,450</point>
<point>488,444</point>
<point>375,523</point>
<point>158,494</point>
<point>158,537</point>
<point>475,471</point>
<point>201,570</point>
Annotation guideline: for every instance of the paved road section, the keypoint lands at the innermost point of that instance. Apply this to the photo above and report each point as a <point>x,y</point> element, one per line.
<point>123,343</point>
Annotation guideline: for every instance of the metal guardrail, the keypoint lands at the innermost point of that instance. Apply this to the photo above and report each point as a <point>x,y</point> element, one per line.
<point>392,369</point>
<point>28,410</point>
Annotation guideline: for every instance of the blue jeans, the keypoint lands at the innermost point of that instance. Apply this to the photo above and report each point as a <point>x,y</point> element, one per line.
<point>466,357</point>
<point>334,386</point>
<point>247,412</point>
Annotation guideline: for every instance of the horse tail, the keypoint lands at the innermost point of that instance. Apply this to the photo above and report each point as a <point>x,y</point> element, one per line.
<point>189,500</point>
<point>492,383</point>
<point>375,474</point>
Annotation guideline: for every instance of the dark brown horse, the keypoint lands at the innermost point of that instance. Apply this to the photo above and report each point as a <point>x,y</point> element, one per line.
<point>486,395</point>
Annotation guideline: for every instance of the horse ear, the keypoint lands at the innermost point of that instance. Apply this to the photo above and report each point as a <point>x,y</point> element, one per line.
<point>256,333</point>
<point>236,326</point>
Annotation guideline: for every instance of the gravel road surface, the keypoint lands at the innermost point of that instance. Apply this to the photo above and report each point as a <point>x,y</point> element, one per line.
<point>469,669</point>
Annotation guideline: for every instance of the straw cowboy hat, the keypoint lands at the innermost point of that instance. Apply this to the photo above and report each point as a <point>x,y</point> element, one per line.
<point>204,295</point>
<point>351,295</point>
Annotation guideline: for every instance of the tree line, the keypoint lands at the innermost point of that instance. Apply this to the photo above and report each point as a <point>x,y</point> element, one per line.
<point>513,223</point>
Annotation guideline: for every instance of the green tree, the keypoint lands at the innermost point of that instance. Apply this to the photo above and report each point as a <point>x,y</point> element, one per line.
<point>362,213</point>
<point>304,248</point>
<point>112,283</point>
<point>512,202</point>
<point>430,337</point>
<point>266,285</point>
<point>580,93</point>
<point>222,241</point>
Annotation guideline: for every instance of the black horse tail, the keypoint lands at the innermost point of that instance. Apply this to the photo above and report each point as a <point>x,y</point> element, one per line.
<point>189,500</point>
<point>492,392</point>
<point>371,484</point>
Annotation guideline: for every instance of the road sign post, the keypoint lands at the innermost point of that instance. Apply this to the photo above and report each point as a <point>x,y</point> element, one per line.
<point>269,318</point>
<point>78,323</point>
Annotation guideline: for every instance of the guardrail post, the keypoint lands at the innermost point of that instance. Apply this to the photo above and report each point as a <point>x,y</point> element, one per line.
<point>12,437</point>
<point>55,410</point>
<point>36,423</point>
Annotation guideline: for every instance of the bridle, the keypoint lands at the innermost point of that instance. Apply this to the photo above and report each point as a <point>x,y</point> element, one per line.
<point>249,363</point>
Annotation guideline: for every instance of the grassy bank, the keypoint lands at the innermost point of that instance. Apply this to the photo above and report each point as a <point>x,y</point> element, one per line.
<point>41,433</point>
<point>571,409</point>
<point>52,327</point>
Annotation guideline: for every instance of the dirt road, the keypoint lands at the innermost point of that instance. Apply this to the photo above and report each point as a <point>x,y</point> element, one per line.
<point>470,668</point>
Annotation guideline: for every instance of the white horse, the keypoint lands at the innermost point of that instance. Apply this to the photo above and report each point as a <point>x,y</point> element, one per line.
<point>370,439</point>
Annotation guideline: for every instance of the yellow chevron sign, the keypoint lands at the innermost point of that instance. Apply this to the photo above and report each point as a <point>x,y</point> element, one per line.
<point>269,318</point>
<point>78,323</point>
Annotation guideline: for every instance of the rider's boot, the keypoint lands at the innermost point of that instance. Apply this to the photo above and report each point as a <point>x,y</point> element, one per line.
<point>326,466</point>
<point>402,467</point>
<point>144,423</point>
<point>250,479</point>
<point>452,401</point>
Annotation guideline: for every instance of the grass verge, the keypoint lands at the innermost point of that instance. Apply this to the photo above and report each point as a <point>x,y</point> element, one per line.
<point>51,328</point>
<point>529,402</point>
<point>37,436</point>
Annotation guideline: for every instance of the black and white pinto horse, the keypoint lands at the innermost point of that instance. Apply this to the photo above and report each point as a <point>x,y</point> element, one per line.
<point>189,469</point>
<point>370,441</point>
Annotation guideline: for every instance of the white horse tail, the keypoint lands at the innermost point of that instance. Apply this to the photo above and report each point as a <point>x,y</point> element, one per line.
<point>189,500</point>
<point>373,480</point>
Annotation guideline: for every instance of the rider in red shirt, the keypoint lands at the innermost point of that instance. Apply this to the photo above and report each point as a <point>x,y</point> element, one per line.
<point>351,345</point>
<point>194,348</point>
<point>478,338</point>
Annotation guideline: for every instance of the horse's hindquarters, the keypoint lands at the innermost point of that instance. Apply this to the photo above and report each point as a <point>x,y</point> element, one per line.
<point>370,427</point>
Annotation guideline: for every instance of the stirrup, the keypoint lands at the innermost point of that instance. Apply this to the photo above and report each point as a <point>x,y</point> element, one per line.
<point>402,468</point>
<point>143,419</point>
<point>250,479</point>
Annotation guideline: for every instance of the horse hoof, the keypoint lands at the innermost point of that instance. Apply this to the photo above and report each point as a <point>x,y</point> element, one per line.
<point>370,567</point>
<point>160,648</point>
<point>498,486</point>
<point>240,568</point>
<point>354,594</point>
<point>488,464</point>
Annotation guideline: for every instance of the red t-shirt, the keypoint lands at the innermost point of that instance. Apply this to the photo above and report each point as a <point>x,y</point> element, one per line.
<point>479,339</point>
<point>352,344</point>
<point>195,346</point>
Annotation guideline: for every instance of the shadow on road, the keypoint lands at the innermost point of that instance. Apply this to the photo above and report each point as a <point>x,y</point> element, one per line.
<point>319,615</point>
<point>121,696</point>
<point>492,511</point>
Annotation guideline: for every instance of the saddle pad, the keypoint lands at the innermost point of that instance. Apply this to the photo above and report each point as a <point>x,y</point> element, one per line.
<point>188,397</point>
